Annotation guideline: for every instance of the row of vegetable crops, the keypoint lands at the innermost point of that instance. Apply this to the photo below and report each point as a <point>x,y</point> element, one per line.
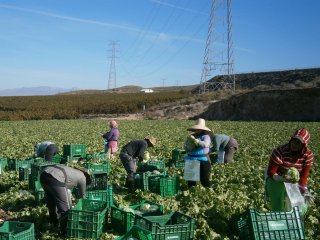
<point>236,186</point>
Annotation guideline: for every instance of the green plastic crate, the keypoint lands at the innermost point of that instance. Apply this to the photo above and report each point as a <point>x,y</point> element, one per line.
<point>98,167</point>
<point>178,157</point>
<point>14,164</point>
<point>87,219</point>
<point>151,165</point>
<point>57,158</point>
<point>99,181</point>
<point>270,225</point>
<point>3,164</point>
<point>141,180</point>
<point>138,233</point>
<point>24,173</point>
<point>39,193</point>
<point>14,230</point>
<point>74,150</point>
<point>101,195</point>
<point>122,221</point>
<point>164,185</point>
<point>178,154</point>
<point>175,225</point>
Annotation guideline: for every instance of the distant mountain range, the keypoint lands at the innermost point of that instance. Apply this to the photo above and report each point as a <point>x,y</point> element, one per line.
<point>34,91</point>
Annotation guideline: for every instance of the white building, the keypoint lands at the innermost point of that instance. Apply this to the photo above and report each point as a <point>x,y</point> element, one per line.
<point>146,90</point>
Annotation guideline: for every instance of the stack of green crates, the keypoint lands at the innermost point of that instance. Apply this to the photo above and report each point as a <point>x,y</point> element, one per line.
<point>178,157</point>
<point>99,173</point>
<point>165,186</point>
<point>255,225</point>
<point>174,225</point>
<point>122,220</point>
<point>87,219</point>
<point>14,230</point>
<point>136,232</point>
<point>72,152</point>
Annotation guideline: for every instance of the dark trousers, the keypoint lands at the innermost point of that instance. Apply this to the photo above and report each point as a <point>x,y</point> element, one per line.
<point>205,173</point>
<point>57,199</point>
<point>230,150</point>
<point>51,150</point>
<point>129,164</point>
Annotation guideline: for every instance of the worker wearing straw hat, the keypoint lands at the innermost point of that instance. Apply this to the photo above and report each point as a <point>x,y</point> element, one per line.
<point>198,153</point>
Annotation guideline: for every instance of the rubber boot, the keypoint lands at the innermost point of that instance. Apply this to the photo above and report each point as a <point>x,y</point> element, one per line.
<point>130,185</point>
<point>63,224</point>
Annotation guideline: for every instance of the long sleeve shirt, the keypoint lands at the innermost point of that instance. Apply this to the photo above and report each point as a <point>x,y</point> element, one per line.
<point>201,152</point>
<point>282,159</point>
<point>40,149</point>
<point>220,141</point>
<point>135,148</point>
<point>113,135</point>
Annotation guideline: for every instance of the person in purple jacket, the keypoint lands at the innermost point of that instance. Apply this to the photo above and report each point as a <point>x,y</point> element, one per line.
<point>111,139</point>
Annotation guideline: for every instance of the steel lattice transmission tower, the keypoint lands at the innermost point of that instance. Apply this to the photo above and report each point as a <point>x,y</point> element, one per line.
<point>218,59</point>
<point>112,82</point>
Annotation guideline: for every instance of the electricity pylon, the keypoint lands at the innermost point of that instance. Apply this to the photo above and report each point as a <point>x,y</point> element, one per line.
<point>112,82</point>
<point>218,63</point>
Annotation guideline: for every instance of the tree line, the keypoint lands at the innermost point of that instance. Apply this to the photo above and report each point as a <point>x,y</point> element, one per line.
<point>75,106</point>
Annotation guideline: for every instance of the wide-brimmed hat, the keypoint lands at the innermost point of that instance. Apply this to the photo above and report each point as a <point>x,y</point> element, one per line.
<point>151,139</point>
<point>201,125</point>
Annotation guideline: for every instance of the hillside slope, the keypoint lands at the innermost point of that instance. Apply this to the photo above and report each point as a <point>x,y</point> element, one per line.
<point>272,105</point>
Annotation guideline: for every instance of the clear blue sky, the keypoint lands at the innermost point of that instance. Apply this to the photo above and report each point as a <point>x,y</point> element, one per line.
<point>66,43</point>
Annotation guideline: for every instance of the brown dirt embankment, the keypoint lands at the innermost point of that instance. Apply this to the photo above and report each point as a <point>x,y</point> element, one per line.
<point>272,105</point>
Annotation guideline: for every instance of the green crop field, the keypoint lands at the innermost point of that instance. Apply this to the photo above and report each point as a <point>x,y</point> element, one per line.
<point>236,186</point>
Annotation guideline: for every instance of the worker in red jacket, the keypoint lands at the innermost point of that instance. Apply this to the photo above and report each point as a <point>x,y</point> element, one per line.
<point>293,154</point>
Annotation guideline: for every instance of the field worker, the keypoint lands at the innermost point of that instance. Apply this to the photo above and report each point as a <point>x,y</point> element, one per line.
<point>111,139</point>
<point>200,152</point>
<point>57,181</point>
<point>225,146</point>
<point>129,153</point>
<point>293,154</point>
<point>46,150</point>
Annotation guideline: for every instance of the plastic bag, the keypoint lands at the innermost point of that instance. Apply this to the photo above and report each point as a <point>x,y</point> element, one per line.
<point>295,198</point>
<point>192,170</point>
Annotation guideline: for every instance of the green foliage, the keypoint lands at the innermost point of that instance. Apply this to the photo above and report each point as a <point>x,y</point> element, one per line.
<point>236,186</point>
